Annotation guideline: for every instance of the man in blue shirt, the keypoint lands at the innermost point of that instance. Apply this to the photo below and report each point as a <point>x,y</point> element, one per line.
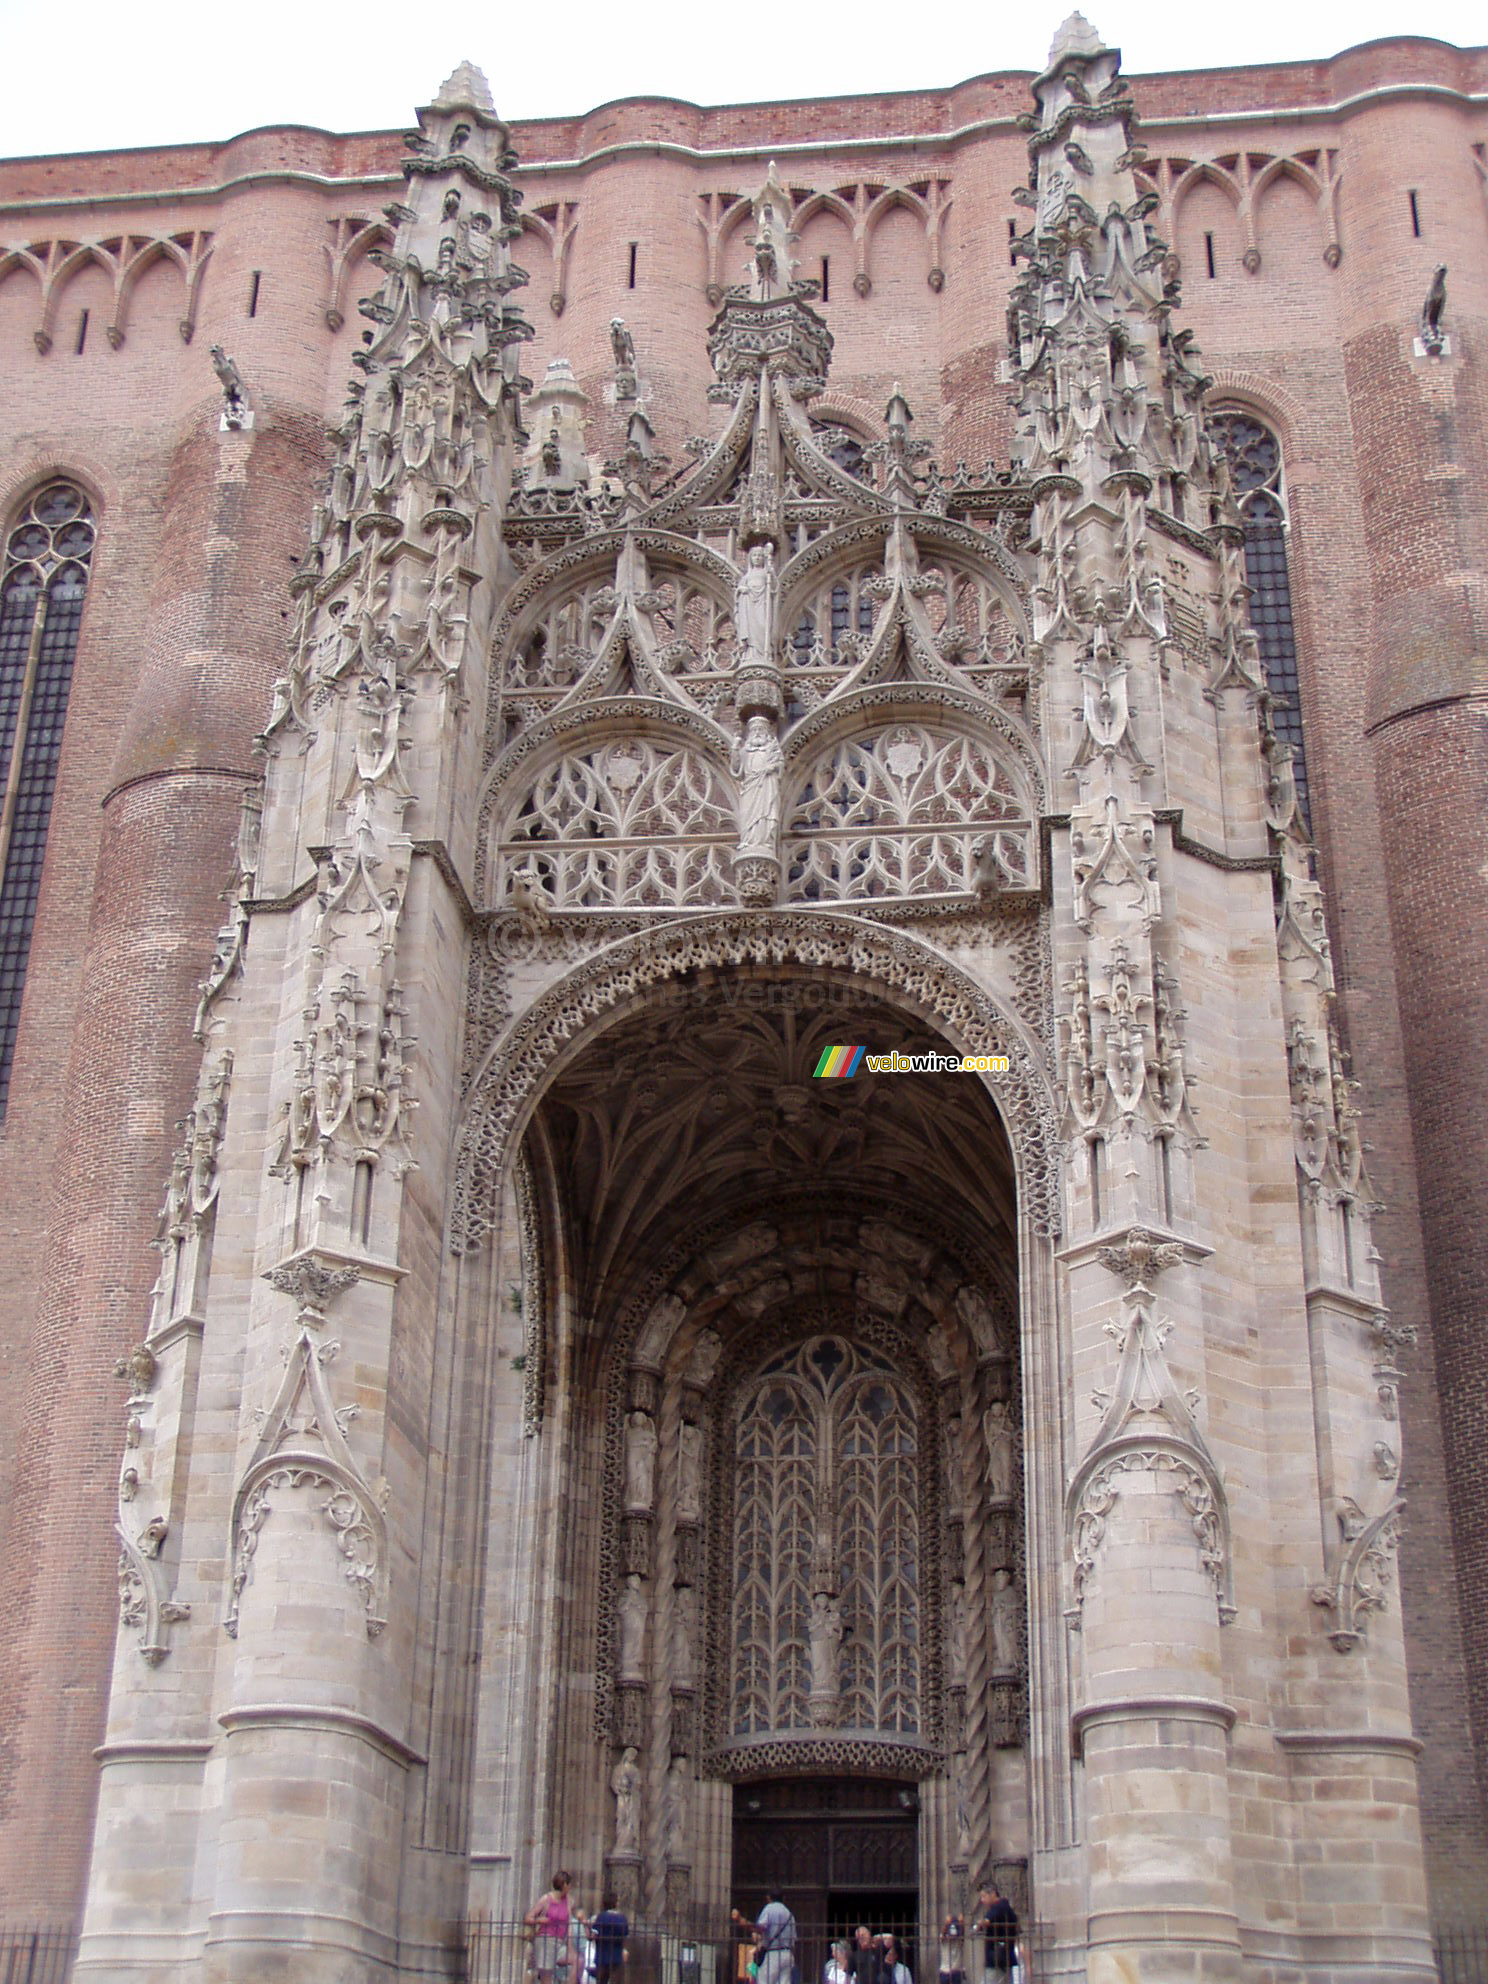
<point>608,1931</point>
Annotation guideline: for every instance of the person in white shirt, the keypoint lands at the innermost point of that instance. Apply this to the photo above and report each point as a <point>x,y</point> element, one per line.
<point>835,1970</point>
<point>895,1969</point>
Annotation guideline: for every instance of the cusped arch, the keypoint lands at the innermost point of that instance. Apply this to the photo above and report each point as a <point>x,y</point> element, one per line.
<point>1205,171</point>
<point>597,994</point>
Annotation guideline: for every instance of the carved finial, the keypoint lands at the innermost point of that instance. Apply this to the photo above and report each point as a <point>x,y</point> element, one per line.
<point>1075,37</point>
<point>466,89</point>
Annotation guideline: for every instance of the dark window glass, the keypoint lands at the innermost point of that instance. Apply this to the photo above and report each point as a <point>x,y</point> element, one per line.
<point>1254,455</point>
<point>42,588</point>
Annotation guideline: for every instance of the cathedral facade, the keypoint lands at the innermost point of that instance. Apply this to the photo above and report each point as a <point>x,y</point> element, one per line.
<point>824,1187</point>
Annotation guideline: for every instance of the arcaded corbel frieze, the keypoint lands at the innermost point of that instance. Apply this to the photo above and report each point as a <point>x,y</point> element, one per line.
<point>124,259</point>
<point>352,237</point>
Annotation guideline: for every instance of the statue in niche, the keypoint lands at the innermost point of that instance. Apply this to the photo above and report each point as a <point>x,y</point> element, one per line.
<point>705,1355</point>
<point>826,1636</point>
<point>963,1807</point>
<point>958,1635</point>
<point>690,1473</point>
<point>674,1811</point>
<point>754,605</point>
<point>632,1625</point>
<point>1007,1604</point>
<point>758,763</point>
<point>972,1307</point>
<point>1002,1451</point>
<point>684,1659</point>
<point>625,1782</point>
<point>640,1460</point>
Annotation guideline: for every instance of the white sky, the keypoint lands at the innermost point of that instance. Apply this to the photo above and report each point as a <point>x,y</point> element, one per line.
<point>89,75</point>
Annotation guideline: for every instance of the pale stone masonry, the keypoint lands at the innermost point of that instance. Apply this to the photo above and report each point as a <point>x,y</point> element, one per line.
<point>566,1429</point>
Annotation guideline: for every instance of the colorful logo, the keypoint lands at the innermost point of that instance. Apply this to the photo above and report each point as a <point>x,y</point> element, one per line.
<point>839,1062</point>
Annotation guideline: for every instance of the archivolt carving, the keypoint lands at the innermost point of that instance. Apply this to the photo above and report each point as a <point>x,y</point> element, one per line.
<point>896,963</point>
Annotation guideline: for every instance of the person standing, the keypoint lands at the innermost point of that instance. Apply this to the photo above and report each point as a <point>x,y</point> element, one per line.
<point>607,1933</point>
<point>998,1922</point>
<point>865,1963</point>
<point>895,1969</point>
<point>774,1940</point>
<point>836,1970</point>
<point>953,1950</point>
<point>549,1923</point>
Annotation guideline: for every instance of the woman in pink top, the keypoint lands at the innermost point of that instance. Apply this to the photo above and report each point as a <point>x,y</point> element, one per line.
<point>549,1923</point>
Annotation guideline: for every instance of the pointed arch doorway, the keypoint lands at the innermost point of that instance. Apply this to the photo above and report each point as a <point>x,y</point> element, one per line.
<point>733,1240</point>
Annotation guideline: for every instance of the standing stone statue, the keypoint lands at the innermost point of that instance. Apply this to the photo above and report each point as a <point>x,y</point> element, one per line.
<point>632,1626</point>
<point>625,1782</point>
<point>754,606</point>
<point>690,1473</point>
<point>1002,1451</point>
<point>826,1636</point>
<point>1006,1606</point>
<point>684,1641</point>
<point>640,1460</point>
<point>674,1811</point>
<point>758,763</point>
<point>958,1635</point>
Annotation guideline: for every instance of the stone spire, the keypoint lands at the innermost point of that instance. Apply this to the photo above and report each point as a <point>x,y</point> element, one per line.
<point>466,88</point>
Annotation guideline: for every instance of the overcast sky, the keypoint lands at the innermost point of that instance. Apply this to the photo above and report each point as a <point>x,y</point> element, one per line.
<point>89,75</point>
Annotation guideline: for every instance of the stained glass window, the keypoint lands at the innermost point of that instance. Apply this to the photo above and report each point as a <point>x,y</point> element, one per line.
<point>42,588</point>
<point>1254,455</point>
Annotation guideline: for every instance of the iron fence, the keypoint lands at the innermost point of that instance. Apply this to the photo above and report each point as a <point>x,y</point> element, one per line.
<point>36,1955</point>
<point>698,1949</point>
<point>1462,1955</point>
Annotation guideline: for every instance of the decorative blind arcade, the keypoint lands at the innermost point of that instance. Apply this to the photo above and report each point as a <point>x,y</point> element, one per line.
<point>826,1549</point>
<point>42,588</point>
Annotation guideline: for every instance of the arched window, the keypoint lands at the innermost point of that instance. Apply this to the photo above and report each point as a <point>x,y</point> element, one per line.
<point>1254,456</point>
<point>42,587</point>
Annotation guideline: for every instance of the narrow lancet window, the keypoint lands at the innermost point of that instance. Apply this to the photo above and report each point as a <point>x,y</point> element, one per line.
<point>42,587</point>
<point>1254,455</point>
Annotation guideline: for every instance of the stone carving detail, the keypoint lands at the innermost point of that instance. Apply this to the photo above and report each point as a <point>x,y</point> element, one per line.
<point>906,812</point>
<point>534,1299</point>
<point>1362,1569</point>
<point>1148,1426</point>
<point>625,1784</point>
<point>143,1608</point>
<point>302,1444</point>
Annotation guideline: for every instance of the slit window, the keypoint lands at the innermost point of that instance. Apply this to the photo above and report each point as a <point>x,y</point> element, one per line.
<point>1415,213</point>
<point>44,581</point>
<point>1209,254</point>
<point>633,246</point>
<point>82,333</point>
<point>826,279</point>
<point>253,292</point>
<point>1012,237</point>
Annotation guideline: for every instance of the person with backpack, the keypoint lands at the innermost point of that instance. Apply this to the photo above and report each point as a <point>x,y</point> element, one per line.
<point>774,1941</point>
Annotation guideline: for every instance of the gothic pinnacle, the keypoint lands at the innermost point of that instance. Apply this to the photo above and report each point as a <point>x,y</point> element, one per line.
<point>466,88</point>
<point>1075,37</point>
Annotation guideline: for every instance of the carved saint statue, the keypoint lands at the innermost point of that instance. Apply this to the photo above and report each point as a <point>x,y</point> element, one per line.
<point>1002,1451</point>
<point>958,1635</point>
<point>632,1626</point>
<point>757,764</point>
<point>1007,1604</point>
<point>826,1636</point>
<point>689,1473</point>
<point>684,1627</point>
<point>625,1782</point>
<point>640,1460</point>
<point>963,1807</point>
<point>754,605</point>
<point>674,1810</point>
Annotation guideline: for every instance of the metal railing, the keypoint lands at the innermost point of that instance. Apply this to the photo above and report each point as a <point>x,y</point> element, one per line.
<point>36,1955</point>
<point>702,1949</point>
<point>1462,1955</point>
